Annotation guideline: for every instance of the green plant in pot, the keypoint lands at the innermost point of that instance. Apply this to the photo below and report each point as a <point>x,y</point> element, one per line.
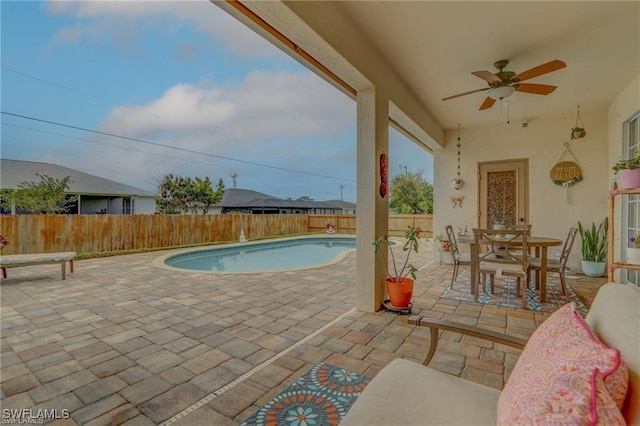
<point>444,243</point>
<point>399,280</point>
<point>578,133</point>
<point>629,172</point>
<point>594,248</point>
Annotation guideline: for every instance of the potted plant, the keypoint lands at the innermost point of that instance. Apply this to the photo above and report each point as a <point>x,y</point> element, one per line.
<point>330,228</point>
<point>399,280</point>
<point>629,171</point>
<point>633,251</point>
<point>594,248</point>
<point>444,243</point>
<point>578,132</point>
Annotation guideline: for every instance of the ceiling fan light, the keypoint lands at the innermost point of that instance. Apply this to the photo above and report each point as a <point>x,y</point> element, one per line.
<point>501,92</point>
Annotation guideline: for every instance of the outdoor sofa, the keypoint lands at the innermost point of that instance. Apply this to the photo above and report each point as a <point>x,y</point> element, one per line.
<point>408,393</point>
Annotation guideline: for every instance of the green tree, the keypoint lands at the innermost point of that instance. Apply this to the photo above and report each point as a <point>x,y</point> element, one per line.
<point>410,193</point>
<point>49,196</point>
<point>204,196</point>
<point>178,194</point>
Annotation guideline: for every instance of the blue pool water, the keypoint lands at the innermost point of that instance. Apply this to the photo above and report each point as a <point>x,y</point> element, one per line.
<point>276,255</point>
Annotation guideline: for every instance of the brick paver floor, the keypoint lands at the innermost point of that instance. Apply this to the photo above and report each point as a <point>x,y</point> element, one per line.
<point>122,341</point>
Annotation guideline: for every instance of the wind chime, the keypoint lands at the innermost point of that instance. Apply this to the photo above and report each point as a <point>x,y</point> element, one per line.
<point>456,182</point>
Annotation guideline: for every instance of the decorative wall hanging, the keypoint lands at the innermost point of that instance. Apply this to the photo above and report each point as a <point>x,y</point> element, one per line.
<point>384,163</point>
<point>578,132</point>
<point>457,181</point>
<point>456,200</point>
<point>566,173</point>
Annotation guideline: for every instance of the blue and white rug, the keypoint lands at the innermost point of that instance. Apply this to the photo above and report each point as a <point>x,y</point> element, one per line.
<point>505,294</point>
<point>322,396</point>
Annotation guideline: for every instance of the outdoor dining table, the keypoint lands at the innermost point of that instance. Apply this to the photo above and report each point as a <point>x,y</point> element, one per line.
<point>539,243</point>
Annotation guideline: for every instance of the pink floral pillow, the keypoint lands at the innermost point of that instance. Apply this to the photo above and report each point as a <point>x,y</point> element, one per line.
<point>565,375</point>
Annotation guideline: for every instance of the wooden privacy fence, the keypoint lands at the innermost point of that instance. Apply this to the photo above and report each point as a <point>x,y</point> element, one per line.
<point>103,233</point>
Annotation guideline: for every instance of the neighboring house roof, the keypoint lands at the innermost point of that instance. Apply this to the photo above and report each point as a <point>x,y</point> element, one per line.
<point>341,203</point>
<point>15,172</point>
<point>246,198</point>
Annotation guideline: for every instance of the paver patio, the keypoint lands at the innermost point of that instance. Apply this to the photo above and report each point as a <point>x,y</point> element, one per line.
<point>121,341</point>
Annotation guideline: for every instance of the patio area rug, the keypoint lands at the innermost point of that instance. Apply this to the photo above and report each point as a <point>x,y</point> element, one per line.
<point>322,396</point>
<point>505,294</point>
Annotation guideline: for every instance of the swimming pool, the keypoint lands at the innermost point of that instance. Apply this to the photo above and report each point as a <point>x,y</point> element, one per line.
<point>283,254</point>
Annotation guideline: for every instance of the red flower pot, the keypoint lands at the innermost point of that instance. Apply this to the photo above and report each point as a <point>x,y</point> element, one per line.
<point>400,292</point>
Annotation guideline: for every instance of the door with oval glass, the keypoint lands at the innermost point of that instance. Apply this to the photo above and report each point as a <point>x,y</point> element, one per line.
<point>503,188</point>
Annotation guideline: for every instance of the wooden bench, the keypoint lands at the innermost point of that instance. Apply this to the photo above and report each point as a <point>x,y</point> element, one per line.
<point>16,260</point>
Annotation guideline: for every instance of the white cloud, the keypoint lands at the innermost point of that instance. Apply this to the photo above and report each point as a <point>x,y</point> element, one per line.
<point>283,119</point>
<point>290,120</point>
<point>266,106</point>
<point>121,21</point>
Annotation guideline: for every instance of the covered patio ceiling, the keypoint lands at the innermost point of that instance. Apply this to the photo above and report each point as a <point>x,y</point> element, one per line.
<point>399,59</point>
<point>433,46</point>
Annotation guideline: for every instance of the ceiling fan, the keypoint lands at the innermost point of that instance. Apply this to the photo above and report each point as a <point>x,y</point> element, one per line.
<point>503,83</point>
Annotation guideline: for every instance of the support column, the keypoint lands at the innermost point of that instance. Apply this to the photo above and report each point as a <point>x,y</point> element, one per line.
<point>372,210</point>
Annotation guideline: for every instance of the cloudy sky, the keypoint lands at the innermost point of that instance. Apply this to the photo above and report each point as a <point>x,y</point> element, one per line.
<point>131,91</point>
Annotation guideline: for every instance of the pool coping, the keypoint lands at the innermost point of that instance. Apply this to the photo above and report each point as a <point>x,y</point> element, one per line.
<point>160,260</point>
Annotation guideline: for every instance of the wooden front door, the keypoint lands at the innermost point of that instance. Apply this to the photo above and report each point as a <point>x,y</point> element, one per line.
<point>503,192</point>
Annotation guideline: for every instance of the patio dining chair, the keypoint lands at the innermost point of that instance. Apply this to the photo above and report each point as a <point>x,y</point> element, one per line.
<point>526,227</point>
<point>553,265</point>
<point>456,256</point>
<point>501,257</point>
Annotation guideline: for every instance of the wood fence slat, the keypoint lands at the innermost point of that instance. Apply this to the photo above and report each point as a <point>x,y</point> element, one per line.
<point>102,233</point>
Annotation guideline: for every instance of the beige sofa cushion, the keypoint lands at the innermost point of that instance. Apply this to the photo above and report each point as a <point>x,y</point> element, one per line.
<point>615,318</point>
<point>406,393</point>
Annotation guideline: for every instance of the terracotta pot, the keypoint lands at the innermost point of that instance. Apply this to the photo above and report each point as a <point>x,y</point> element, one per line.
<point>400,292</point>
<point>629,178</point>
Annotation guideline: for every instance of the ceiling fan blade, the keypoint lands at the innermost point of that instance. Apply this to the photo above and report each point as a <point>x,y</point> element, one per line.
<point>465,93</point>
<point>488,103</point>
<point>539,70</point>
<point>536,89</point>
<point>487,76</point>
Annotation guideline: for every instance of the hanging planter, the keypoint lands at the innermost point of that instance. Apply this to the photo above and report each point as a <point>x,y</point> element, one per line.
<point>578,131</point>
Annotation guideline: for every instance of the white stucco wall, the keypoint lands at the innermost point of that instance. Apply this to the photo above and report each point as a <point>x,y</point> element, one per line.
<point>550,211</point>
<point>144,205</point>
